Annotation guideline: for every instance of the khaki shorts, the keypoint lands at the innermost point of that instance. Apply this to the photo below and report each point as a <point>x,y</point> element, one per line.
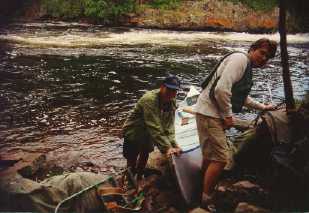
<point>212,138</point>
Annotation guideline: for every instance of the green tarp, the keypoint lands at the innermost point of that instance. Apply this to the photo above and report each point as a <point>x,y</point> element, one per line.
<point>21,194</point>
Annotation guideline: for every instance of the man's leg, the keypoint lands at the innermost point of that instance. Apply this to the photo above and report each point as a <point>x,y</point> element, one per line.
<point>130,152</point>
<point>205,165</point>
<point>211,176</point>
<point>131,162</point>
<point>202,124</point>
<point>142,162</point>
<point>215,156</point>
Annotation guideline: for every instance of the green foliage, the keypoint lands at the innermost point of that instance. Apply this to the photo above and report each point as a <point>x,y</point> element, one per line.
<point>263,5</point>
<point>67,9</point>
<point>164,4</point>
<point>95,9</point>
<point>126,6</point>
<point>108,10</point>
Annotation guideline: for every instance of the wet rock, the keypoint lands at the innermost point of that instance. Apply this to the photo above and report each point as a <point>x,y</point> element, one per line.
<point>87,163</point>
<point>229,194</point>
<point>163,197</point>
<point>79,169</point>
<point>172,210</point>
<point>221,189</point>
<point>153,192</point>
<point>27,164</point>
<point>246,185</point>
<point>198,210</point>
<point>148,204</point>
<point>244,207</point>
<point>48,171</point>
<point>158,161</point>
<point>29,168</point>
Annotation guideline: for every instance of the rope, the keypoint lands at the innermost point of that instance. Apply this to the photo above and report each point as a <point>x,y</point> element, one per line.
<point>80,192</point>
<point>84,190</point>
<point>136,200</point>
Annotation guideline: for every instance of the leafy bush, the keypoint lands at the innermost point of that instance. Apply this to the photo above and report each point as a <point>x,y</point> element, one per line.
<point>164,4</point>
<point>63,8</point>
<point>95,9</point>
<point>258,4</point>
<point>108,10</point>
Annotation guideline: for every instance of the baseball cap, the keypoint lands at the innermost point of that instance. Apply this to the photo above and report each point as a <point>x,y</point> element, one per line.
<point>172,82</point>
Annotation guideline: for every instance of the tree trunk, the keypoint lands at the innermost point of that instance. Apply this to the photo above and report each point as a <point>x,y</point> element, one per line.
<point>288,90</point>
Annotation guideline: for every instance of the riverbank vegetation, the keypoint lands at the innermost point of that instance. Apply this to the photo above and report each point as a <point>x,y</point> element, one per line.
<point>106,10</point>
<point>259,5</point>
<point>111,10</point>
<point>232,15</point>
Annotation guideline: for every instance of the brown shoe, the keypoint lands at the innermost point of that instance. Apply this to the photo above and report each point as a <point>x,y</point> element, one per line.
<point>209,207</point>
<point>207,203</point>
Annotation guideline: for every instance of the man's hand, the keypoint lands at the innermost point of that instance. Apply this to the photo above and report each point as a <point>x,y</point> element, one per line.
<point>173,150</point>
<point>178,150</point>
<point>228,122</point>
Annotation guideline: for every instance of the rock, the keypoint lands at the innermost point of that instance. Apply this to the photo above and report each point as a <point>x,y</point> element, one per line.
<point>221,189</point>
<point>245,184</point>
<point>27,164</point>
<point>87,163</point>
<point>153,192</point>
<point>171,210</point>
<point>244,207</point>
<point>163,197</point>
<point>229,194</point>
<point>198,210</point>
<point>159,162</point>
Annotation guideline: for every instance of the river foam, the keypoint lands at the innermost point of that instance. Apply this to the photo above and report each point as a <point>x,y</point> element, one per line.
<point>100,37</point>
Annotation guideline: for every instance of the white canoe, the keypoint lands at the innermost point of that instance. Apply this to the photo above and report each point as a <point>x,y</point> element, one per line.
<point>185,125</point>
<point>187,166</point>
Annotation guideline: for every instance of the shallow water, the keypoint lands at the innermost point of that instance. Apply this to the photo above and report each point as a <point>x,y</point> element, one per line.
<point>66,88</point>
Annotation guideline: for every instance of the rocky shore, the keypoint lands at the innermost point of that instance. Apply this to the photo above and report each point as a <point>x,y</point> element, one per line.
<point>204,15</point>
<point>207,15</point>
<point>161,192</point>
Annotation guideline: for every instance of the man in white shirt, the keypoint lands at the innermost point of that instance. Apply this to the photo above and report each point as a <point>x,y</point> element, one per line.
<point>226,90</point>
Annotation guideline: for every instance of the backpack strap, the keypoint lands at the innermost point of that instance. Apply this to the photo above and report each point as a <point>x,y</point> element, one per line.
<point>211,75</point>
<point>214,71</point>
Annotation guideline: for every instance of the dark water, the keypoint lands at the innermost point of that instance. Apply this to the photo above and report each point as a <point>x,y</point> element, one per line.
<point>66,89</point>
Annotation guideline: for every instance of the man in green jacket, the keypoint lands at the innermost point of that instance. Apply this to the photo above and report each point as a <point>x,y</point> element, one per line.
<point>151,123</point>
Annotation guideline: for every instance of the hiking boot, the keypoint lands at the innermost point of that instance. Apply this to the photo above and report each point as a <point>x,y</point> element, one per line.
<point>131,174</point>
<point>207,203</point>
<point>208,207</point>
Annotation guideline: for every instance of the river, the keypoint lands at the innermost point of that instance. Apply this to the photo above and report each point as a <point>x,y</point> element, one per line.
<point>66,88</point>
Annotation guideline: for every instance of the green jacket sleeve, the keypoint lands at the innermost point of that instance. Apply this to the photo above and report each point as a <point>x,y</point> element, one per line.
<point>162,132</point>
<point>171,137</point>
